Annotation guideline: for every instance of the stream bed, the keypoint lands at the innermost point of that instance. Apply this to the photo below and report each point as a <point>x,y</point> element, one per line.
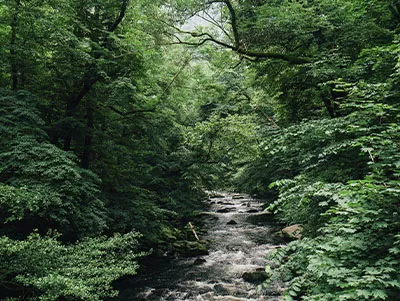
<point>240,236</point>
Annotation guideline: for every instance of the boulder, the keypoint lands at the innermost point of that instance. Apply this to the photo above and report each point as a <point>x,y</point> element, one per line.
<point>292,232</point>
<point>232,222</point>
<point>252,211</point>
<point>255,277</point>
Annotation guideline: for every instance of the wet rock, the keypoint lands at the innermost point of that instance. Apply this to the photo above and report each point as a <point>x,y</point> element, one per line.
<point>225,203</point>
<point>202,291</point>
<point>255,277</point>
<point>292,232</point>
<point>244,205</point>
<point>237,197</point>
<point>199,260</point>
<point>233,248</point>
<point>252,211</point>
<point>232,222</point>
<point>219,289</point>
<point>225,210</point>
<point>217,196</point>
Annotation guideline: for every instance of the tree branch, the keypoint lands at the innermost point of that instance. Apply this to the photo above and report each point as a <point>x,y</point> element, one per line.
<point>251,55</point>
<point>125,114</point>
<point>120,17</point>
<point>233,24</point>
<point>175,77</point>
<point>237,44</point>
<point>216,23</point>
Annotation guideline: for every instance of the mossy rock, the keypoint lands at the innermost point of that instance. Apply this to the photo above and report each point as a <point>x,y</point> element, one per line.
<point>191,248</point>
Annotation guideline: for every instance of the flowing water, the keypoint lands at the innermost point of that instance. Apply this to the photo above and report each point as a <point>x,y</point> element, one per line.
<point>237,247</point>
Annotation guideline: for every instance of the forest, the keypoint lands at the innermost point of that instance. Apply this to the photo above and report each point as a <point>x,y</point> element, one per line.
<point>117,116</point>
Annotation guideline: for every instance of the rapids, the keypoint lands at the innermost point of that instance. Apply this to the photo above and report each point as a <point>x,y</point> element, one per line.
<point>237,247</point>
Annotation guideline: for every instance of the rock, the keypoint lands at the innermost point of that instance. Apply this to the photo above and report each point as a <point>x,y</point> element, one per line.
<point>190,248</point>
<point>199,260</point>
<point>255,277</point>
<point>225,203</point>
<point>225,210</point>
<point>233,248</point>
<point>252,211</point>
<point>244,204</point>
<point>219,289</point>
<point>237,197</point>
<point>292,232</point>
<point>232,222</point>
<point>217,196</point>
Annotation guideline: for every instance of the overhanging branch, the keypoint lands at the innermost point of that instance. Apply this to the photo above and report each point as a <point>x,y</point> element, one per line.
<point>236,46</point>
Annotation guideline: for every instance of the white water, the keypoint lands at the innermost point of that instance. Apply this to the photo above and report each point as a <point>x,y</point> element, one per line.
<point>235,249</point>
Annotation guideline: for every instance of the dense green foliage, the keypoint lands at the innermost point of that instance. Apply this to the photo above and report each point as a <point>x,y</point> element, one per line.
<point>109,129</point>
<point>90,143</point>
<point>333,165</point>
<point>83,271</point>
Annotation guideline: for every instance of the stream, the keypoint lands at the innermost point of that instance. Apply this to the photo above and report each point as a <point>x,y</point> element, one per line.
<point>240,236</point>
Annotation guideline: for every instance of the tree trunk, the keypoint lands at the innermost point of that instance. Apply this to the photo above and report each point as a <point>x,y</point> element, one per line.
<point>89,79</point>
<point>87,148</point>
<point>72,106</point>
<point>329,107</point>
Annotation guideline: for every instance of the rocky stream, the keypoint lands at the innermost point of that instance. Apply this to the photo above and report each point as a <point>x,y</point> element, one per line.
<point>240,235</point>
